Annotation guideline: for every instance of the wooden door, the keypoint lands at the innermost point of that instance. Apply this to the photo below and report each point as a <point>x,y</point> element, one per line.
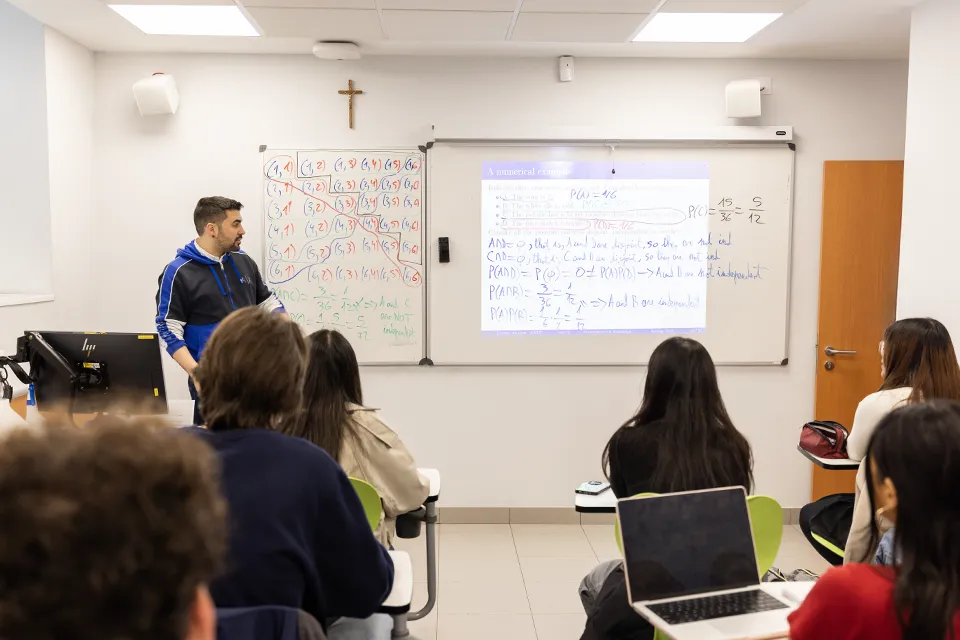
<point>859,264</point>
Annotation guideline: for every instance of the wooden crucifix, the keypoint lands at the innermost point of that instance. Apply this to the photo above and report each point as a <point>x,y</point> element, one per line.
<point>350,91</point>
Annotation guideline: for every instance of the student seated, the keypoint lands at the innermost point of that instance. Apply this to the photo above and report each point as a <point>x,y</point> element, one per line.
<point>298,534</point>
<point>111,532</point>
<point>913,471</point>
<point>334,418</point>
<point>917,363</point>
<point>681,439</point>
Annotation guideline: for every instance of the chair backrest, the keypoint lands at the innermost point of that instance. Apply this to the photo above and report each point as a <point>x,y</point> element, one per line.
<point>766,522</point>
<point>370,500</point>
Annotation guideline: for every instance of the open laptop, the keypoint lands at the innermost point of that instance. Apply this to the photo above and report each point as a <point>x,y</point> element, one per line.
<point>691,567</point>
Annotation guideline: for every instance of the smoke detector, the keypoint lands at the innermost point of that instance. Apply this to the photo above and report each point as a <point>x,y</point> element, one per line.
<point>336,51</point>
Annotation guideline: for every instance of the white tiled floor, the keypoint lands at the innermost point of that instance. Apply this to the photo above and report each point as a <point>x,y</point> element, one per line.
<point>519,582</point>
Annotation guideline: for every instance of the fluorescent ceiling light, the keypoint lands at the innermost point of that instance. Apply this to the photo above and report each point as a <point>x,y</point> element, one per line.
<point>187,20</point>
<point>704,27</point>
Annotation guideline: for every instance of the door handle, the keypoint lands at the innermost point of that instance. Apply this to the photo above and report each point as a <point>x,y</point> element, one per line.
<point>830,351</point>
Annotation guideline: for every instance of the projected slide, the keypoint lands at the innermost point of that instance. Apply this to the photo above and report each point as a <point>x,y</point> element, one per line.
<point>572,248</point>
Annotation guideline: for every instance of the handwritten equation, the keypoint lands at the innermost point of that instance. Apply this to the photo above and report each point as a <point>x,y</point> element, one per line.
<point>602,255</point>
<point>344,243</point>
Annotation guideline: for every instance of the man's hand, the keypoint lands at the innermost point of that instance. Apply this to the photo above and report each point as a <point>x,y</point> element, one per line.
<point>187,363</point>
<point>196,384</point>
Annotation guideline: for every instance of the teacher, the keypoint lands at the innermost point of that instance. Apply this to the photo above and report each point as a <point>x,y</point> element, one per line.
<point>208,280</point>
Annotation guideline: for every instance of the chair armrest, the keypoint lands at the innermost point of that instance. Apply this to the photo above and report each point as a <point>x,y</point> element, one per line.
<point>409,524</point>
<point>433,475</point>
<point>402,593</point>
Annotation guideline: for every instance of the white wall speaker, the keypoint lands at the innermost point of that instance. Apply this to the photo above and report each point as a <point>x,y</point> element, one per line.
<point>156,95</point>
<point>743,98</point>
<point>336,51</point>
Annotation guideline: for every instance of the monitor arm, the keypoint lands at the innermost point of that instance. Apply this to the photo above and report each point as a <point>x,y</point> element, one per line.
<point>32,344</point>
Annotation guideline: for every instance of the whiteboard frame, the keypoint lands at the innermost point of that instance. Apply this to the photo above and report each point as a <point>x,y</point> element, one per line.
<point>467,133</point>
<point>727,137</point>
<point>264,149</point>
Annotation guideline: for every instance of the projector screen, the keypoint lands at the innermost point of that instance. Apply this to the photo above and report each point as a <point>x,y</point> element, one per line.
<point>586,247</point>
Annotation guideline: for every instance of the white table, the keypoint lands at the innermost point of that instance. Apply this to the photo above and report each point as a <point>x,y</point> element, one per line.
<point>834,464</point>
<point>402,593</point>
<point>604,502</point>
<point>433,476</point>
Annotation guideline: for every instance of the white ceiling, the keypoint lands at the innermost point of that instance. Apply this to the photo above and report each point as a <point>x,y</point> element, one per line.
<point>809,28</point>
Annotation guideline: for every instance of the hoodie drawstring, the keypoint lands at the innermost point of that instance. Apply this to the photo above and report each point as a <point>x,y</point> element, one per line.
<point>223,292</point>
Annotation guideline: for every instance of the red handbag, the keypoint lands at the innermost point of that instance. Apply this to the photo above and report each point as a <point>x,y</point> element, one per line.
<point>824,439</point>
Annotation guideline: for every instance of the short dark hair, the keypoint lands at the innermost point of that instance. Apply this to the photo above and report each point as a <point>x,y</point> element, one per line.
<point>213,209</point>
<point>108,531</point>
<point>251,371</point>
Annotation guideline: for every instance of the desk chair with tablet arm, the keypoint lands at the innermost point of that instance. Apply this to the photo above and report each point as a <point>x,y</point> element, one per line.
<point>408,526</point>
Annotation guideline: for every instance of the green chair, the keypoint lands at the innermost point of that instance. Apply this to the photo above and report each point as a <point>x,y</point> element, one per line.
<point>370,500</point>
<point>766,521</point>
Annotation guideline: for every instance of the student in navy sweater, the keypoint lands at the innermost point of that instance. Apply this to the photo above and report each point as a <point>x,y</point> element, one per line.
<point>298,534</point>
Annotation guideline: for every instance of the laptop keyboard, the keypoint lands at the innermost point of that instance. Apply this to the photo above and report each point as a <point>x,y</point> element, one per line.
<point>719,606</point>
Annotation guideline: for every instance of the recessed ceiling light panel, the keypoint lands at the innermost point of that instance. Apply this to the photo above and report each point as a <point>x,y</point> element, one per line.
<point>187,20</point>
<point>704,27</point>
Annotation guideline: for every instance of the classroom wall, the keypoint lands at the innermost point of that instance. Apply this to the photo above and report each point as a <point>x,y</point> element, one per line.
<point>502,436</point>
<point>930,220</point>
<point>69,71</point>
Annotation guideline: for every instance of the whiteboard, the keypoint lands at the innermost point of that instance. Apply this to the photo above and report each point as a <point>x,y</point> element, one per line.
<point>343,245</point>
<point>546,272</point>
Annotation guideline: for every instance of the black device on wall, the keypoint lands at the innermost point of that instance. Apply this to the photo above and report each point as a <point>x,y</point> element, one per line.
<point>444,244</point>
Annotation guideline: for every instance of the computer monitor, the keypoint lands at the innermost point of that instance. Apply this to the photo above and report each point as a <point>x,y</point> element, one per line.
<point>95,372</point>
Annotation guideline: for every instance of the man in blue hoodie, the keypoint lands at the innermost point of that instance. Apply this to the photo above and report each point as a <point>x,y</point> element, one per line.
<point>208,280</point>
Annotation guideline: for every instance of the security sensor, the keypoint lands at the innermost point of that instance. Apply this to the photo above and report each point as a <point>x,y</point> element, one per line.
<point>566,69</point>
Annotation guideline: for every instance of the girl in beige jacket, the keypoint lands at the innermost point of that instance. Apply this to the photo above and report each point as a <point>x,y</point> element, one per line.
<point>333,417</point>
<point>918,363</point>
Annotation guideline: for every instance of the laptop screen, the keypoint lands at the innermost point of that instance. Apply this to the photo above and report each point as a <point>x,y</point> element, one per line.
<point>687,543</point>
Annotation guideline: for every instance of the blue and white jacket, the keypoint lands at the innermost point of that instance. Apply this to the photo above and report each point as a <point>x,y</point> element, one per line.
<point>197,291</point>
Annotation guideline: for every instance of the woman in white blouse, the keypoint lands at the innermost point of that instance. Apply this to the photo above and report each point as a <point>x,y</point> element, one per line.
<point>918,363</point>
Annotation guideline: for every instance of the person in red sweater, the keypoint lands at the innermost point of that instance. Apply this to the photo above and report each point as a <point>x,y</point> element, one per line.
<point>914,473</point>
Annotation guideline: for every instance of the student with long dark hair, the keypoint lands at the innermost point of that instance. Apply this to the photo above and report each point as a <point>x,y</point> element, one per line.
<point>913,472</point>
<point>334,418</point>
<point>917,363</point>
<point>681,439</point>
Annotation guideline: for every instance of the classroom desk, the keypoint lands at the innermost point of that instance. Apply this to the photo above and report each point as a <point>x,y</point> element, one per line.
<point>838,464</point>
<point>400,596</point>
<point>605,502</point>
<point>433,476</point>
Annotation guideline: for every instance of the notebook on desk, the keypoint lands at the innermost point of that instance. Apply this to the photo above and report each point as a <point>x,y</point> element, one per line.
<point>691,567</point>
